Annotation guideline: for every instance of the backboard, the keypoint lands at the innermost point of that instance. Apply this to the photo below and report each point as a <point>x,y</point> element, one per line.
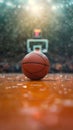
<point>42,44</point>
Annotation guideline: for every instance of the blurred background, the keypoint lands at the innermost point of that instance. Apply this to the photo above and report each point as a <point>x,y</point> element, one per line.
<point>18,19</point>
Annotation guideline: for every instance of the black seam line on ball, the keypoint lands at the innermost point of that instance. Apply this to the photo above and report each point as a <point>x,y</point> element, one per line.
<point>35,72</point>
<point>34,63</point>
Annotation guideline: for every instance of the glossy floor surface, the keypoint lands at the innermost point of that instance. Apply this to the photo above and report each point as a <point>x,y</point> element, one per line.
<point>36,105</point>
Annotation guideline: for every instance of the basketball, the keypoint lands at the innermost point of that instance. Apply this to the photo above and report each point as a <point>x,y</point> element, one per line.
<point>35,65</point>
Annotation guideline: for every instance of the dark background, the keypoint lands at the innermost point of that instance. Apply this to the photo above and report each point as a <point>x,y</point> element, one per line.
<point>17,23</point>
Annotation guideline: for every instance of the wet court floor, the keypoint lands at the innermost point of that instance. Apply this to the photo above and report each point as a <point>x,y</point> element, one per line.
<point>36,105</point>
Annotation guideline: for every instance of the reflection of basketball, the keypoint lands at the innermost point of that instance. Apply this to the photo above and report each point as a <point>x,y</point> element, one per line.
<point>35,65</point>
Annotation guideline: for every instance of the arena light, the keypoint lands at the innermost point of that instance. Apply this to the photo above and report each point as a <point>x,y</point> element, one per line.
<point>67,5</point>
<point>70,3</point>
<point>31,2</point>
<point>1,1</point>
<point>19,6</point>
<point>35,9</point>
<point>61,6</point>
<point>49,1</point>
<point>9,4</point>
<point>54,7</point>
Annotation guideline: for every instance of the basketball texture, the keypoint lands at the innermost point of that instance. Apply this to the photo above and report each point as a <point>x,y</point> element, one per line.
<point>35,65</point>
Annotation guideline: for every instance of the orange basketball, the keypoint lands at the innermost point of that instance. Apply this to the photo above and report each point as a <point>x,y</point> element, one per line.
<point>35,65</point>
